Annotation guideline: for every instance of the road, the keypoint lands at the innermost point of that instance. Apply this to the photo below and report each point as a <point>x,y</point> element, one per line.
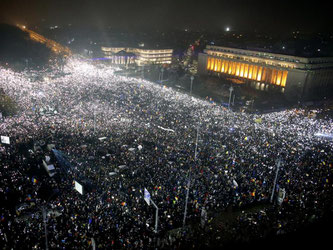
<point>54,46</point>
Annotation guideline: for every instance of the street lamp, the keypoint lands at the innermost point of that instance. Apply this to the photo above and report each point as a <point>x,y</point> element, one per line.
<point>192,78</point>
<point>230,89</point>
<point>156,216</point>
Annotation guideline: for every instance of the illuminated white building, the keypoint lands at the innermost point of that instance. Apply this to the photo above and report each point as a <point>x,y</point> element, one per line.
<point>297,77</point>
<point>142,56</point>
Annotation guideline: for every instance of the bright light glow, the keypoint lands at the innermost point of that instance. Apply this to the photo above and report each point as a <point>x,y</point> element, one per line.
<point>142,56</point>
<point>90,96</point>
<point>248,71</point>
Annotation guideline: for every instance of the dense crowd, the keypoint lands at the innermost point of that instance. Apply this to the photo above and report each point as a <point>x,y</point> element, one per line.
<point>101,120</point>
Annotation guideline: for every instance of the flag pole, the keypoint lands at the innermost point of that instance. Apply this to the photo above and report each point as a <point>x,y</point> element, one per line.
<point>276,175</point>
<point>156,215</point>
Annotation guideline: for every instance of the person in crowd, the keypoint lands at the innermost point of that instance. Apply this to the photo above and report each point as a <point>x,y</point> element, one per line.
<point>100,120</point>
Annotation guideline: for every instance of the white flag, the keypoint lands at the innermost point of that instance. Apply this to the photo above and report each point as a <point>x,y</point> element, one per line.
<point>146,196</point>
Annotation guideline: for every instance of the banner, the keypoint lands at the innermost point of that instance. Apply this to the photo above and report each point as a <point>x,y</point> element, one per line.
<point>166,129</point>
<point>78,187</point>
<point>324,135</point>
<point>5,140</point>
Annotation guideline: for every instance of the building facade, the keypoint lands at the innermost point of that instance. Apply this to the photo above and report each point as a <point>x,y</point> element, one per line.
<point>142,56</point>
<point>299,78</point>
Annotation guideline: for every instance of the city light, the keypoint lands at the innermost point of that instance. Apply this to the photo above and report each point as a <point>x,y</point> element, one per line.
<point>248,71</point>
<point>103,121</point>
<point>54,46</point>
<point>131,125</point>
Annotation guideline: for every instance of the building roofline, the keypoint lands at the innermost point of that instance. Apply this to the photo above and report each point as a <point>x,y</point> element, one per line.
<point>301,58</point>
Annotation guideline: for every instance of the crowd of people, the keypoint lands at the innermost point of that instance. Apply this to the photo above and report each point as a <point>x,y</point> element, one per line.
<point>164,141</point>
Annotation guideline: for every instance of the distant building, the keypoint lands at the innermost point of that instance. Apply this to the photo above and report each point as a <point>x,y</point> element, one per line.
<point>121,57</point>
<point>299,78</point>
<point>139,56</point>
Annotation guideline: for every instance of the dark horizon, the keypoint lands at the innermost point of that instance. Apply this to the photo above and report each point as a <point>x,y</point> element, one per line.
<point>211,15</point>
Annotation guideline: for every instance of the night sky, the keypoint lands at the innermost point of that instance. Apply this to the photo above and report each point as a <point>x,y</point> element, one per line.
<point>267,16</point>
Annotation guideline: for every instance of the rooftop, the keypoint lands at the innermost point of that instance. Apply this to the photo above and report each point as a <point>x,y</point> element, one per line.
<point>267,54</point>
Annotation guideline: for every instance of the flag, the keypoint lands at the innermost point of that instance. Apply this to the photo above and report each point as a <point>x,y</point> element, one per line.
<point>34,180</point>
